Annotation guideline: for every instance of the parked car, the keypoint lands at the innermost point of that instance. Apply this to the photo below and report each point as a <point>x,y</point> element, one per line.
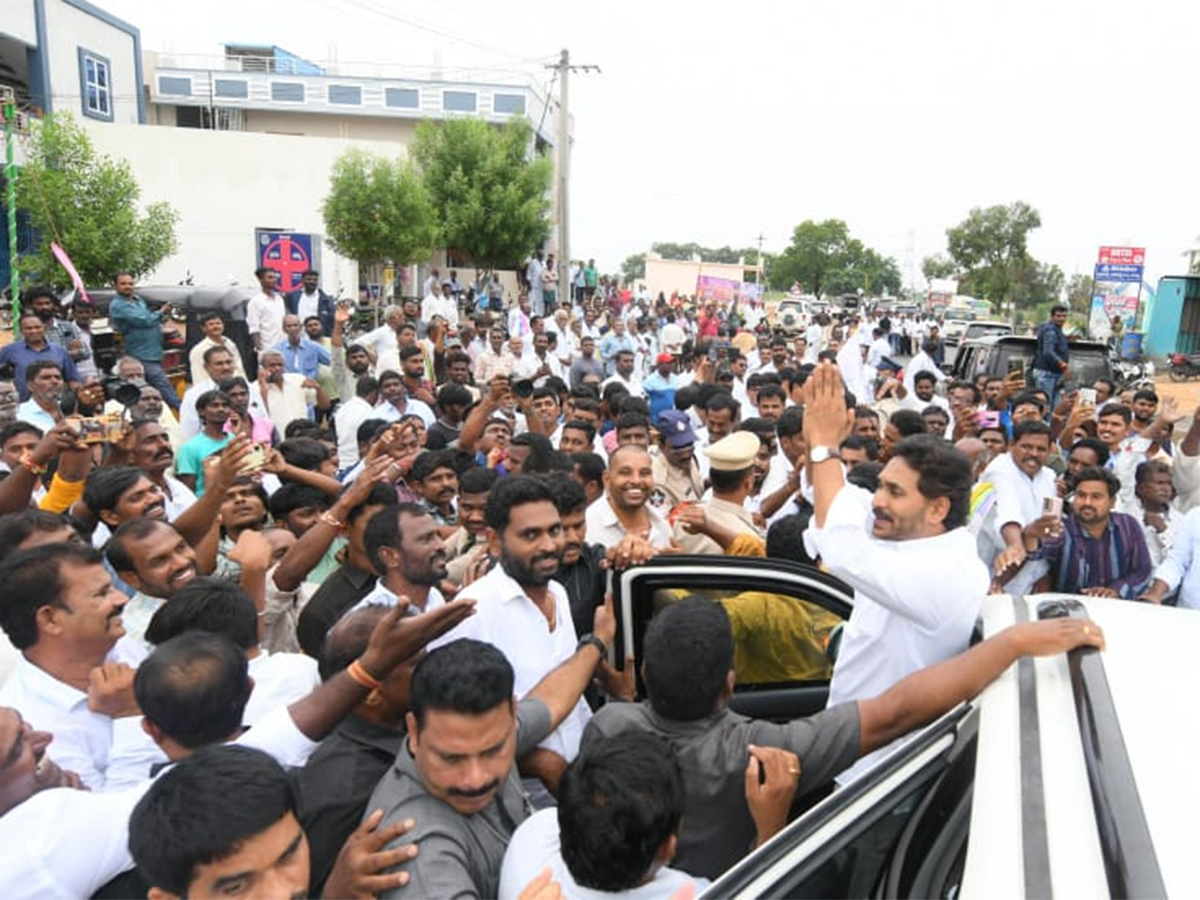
<point>1053,782</point>
<point>791,316</point>
<point>986,329</point>
<point>953,331</point>
<point>996,356</point>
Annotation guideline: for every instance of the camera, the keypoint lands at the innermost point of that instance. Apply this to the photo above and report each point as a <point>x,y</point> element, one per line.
<point>124,392</point>
<point>523,388</point>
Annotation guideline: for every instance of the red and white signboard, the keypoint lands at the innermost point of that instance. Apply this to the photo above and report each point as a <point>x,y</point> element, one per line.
<point>1123,256</point>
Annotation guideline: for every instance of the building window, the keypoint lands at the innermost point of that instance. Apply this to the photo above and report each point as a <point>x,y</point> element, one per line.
<point>226,87</point>
<point>512,104</point>
<point>402,98</point>
<point>95,85</point>
<point>172,86</point>
<point>458,101</point>
<point>287,91</point>
<point>345,95</point>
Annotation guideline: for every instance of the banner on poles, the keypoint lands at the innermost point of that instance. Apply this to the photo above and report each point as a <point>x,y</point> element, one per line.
<point>1116,289</point>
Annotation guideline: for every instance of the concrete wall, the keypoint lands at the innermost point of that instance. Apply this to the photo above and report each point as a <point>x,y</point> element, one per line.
<point>668,275</point>
<point>18,20</point>
<point>354,128</point>
<point>69,29</point>
<point>224,184</point>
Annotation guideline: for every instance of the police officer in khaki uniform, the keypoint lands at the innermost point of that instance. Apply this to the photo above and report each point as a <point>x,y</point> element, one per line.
<point>731,469</point>
<point>677,477</point>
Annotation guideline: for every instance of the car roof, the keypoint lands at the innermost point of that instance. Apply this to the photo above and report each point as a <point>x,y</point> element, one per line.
<point>1031,779</point>
<point>990,339</point>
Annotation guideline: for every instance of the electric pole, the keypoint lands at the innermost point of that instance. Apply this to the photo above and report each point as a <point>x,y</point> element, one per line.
<point>563,69</point>
<point>10,178</point>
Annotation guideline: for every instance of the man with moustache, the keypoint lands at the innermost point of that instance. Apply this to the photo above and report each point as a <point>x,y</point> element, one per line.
<point>151,452</point>
<point>434,477</point>
<point>62,612</point>
<point>581,570</point>
<point>467,547</point>
<point>521,608</point>
<point>893,550</point>
<point>404,544</point>
<point>677,476</point>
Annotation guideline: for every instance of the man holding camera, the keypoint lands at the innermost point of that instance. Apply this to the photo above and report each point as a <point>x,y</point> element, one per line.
<point>141,330</point>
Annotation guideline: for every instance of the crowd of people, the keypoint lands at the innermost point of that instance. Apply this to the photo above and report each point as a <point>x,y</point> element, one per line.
<point>334,619</point>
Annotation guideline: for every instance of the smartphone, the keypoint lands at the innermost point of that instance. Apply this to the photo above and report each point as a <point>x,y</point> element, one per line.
<point>1052,506</point>
<point>97,429</point>
<point>1087,396</point>
<point>989,418</point>
<point>1016,367</point>
<point>713,354</point>
<point>255,459</point>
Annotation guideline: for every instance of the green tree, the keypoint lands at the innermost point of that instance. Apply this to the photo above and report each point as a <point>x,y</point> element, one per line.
<point>88,203</point>
<point>990,248</point>
<point>378,211</point>
<point>937,266</point>
<point>634,267</point>
<point>492,194</point>
<point>825,259</point>
<point>1079,294</point>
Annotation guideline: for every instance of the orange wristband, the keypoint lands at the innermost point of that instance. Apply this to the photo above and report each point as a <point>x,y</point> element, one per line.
<point>356,671</point>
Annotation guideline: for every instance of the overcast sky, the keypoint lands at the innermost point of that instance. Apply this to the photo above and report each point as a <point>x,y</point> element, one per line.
<point>717,122</point>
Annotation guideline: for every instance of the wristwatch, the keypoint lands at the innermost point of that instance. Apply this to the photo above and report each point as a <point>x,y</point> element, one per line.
<point>820,454</point>
<point>592,640</point>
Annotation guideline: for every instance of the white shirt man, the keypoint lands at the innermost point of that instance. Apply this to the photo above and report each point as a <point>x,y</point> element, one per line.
<point>908,611</point>
<point>921,362</point>
<point>196,356</point>
<point>1180,568</point>
<point>264,317</point>
<point>605,529</point>
<point>106,753</point>
<point>412,407</point>
<point>287,401</point>
<point>349,416</point>
<point>438,304</point>
<point>1019,500</point>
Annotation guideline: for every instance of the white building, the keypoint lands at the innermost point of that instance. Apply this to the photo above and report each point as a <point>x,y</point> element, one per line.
<point>71,55</point>
<point>244,140</point>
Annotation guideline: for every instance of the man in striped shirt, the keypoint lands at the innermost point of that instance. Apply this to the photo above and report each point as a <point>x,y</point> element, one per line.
<point>1094,550</point>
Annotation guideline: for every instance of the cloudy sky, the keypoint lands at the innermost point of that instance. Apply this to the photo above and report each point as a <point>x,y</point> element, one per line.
<point>717,122</point>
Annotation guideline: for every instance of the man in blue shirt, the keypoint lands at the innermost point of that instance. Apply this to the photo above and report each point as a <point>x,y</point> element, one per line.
<point>34,347</point>
<point>614,342</point>
<point>1051,358</point>
<point>300,354</point>
<point>660,387</point>
<point>141,330</point>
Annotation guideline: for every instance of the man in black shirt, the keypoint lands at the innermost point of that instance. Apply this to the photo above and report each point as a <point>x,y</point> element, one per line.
<point>580,571</point>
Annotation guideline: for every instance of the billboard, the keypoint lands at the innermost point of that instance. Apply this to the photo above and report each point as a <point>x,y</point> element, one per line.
<point>288,253</point>
<point>1116,289</point>
<point>724,290</point>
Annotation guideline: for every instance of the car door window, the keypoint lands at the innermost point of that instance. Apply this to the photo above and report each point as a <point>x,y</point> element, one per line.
<point>786,621</point>
<point>778,638</point>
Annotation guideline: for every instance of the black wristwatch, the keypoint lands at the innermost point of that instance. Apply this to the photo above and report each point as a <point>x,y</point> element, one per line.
<point>591,639</point>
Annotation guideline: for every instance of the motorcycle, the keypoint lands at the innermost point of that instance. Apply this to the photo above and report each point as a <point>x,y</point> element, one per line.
<point>1133,375</point>
<point>1184,367</point>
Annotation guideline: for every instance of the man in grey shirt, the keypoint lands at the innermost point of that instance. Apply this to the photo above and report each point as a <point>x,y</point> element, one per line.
<point>457,776</point>
<point>688,671</point>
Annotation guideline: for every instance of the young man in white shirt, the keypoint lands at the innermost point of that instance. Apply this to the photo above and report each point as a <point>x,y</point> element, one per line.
<point>436,303</point>
<point>265,311</point>
<point>521,609</point>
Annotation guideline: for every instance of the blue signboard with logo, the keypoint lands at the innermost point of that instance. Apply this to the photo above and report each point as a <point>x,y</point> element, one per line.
<point>288,253</point>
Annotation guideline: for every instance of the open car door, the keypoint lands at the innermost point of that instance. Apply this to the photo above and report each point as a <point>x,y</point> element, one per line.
<point>786,621</point>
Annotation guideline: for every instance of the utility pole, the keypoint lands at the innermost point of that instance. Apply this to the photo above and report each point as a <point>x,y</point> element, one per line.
<point>10,179</point>
<point>762,287</point>
<point>563,69</point>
